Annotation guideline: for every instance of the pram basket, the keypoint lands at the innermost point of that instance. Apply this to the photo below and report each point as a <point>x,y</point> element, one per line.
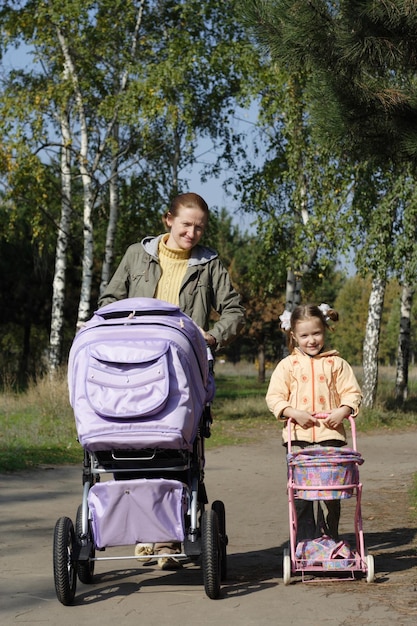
<point>334,468</point>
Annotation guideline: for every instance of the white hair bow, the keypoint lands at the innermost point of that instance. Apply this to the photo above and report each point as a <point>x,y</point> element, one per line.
<point>285,320</point>
<point>324,308</point>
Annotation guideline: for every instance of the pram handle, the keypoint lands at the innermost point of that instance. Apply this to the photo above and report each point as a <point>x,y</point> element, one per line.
<point>323,416</point>
<point>210,359</point>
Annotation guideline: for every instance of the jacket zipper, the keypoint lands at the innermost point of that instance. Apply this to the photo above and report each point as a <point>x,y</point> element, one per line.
<point>313,396</point>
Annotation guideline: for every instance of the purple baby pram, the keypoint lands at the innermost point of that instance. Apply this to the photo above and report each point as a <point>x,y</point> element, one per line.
<point>141,386</point>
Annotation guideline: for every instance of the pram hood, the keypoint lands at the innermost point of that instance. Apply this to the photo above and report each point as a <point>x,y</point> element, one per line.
<point>138,377</point>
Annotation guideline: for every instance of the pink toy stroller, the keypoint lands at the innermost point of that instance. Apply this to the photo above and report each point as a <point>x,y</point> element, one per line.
<point>325,473</point>
<point>140,385</point>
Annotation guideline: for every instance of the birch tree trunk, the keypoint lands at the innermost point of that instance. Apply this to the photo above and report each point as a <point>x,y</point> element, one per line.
<point>88,251</point>
<point>83,160</point>
<point>261,362</point>
<point>403,353</point>
<point>293,290</point>
<point>297,160</point>
<point>113,214</point>
<point>114,199</point>
<point>87,273</point>
<point>87,164</point>
<point>371,342</point>
<point>58,285</point>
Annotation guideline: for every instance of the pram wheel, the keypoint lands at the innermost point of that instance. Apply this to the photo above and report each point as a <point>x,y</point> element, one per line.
<point>218,507</point>
<point>65,574</point>
<point>210,553</point>
<point>85,568</point>
<point>286,566</point>
<point>370,571</point>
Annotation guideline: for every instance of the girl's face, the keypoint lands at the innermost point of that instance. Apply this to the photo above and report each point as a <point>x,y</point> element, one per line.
<point>186,228</point>
<point>309,335</point>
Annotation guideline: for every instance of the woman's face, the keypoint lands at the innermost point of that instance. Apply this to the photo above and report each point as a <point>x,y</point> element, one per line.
<point>309,335</point>
<point>186,228</point>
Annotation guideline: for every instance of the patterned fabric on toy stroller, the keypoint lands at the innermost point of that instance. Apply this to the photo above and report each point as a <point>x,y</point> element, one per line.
<point>325,473</point>
<point>140,385</point>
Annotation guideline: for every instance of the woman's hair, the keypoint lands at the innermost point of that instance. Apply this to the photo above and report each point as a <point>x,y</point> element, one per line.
<point>189,201</point>
<point>305,312</point>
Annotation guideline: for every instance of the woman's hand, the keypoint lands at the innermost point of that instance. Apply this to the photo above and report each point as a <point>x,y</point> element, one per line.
<point>209,339</point>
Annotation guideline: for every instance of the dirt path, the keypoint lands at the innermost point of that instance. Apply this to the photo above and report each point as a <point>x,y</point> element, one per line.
<point>250,480</point>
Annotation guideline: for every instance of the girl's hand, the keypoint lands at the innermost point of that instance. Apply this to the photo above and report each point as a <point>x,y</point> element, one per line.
<point>336,417</point>
<point>304,419</point>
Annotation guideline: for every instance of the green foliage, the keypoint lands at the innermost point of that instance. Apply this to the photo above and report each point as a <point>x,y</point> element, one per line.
<point>352,67</point>
<point>352,305</point>
<point>322,286</point>
<point>23,317</point>
<point>166,71</point>
<point>301,190</point>
<point>359,60</point>
<point>388,347</point>
<point>171,72</point>
<point>350,98</point>
<point>385,210</point>
<point>37,426</point>
<point>163,73</point>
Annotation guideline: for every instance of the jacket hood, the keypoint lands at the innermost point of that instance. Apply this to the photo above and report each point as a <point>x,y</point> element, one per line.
<point>199,254</point>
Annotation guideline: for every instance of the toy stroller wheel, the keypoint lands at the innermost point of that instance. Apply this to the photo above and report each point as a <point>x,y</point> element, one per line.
<point>65,574</point>
<point>370,572</point>
<point>85,569</point>
<point>286,566</point>
<point>218,507</point>
<point>210,553</point>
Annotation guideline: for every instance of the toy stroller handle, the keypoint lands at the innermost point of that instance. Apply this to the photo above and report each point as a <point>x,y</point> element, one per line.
<point>323,416</point>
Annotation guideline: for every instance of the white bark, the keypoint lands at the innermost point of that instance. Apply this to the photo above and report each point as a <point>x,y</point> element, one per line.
<point>371,342</point>
<point>403,353</point>
<point>114,175</point>
<point>86,177</point>
<point>113,213</point>
<point>58,285</point>
<point>292,294</point>
<point>293,290</point>
<point>301,214</point>
<point>88,164</point>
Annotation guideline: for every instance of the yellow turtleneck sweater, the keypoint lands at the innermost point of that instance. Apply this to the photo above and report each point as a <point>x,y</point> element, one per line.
<point>174,263</point>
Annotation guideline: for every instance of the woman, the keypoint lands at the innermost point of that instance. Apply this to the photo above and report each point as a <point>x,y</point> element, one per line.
<point>174,267</point>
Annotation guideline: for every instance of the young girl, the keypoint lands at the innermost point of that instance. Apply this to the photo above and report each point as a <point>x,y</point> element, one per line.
<point>308,382</point>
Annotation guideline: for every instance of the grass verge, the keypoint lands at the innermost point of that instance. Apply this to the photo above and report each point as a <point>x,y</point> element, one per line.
<point>37,427</point>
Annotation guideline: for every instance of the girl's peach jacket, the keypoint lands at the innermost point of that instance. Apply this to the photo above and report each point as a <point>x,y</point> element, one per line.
<point>316,385</point>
